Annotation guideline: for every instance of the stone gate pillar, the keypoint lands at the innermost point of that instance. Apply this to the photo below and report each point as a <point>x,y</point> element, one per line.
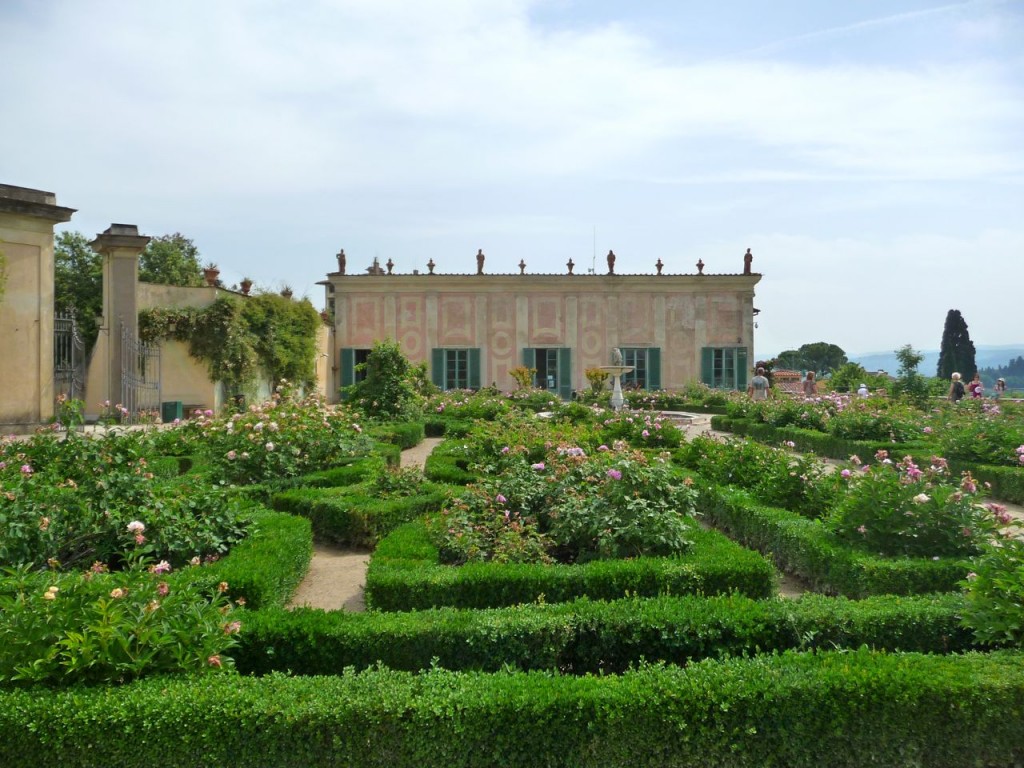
<point>27,218</point>
<point>120,246</point>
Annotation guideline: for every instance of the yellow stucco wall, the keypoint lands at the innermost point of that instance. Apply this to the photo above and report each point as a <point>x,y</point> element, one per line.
<point>27,218</point>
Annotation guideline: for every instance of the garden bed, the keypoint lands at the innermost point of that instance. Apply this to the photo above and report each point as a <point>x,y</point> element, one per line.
<point>405,574</point>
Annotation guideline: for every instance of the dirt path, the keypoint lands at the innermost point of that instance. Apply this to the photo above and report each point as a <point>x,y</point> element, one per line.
<point>337,576</point>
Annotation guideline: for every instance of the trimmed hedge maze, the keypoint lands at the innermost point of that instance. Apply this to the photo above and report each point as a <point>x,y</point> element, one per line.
<point>686,661</point>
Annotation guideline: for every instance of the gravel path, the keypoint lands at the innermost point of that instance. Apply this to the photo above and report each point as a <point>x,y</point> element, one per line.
<point>337,575</point>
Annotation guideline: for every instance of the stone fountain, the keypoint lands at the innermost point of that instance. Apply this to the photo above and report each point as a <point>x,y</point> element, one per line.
<point>616,369</point>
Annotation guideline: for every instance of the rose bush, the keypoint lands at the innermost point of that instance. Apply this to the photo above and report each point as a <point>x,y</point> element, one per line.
<point>568,505</point>
<point>67,503</point>
<point>898,509</point>
<point>282,437</point>
<point>100,627</point>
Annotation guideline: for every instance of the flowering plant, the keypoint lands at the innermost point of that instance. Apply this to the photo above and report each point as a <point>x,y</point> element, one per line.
<point>466,404</point>
<point>641,430</point>
<point>900,509</point>
<point>100,627</point>
<point>569,506</point>
<point>775,476</point>
<point>994,606</point>
<point>282,437</point>
<point>67,503</point>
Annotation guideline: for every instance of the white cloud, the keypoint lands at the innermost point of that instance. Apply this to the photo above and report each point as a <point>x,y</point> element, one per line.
<point>460,91</point>
<point>276,132</point>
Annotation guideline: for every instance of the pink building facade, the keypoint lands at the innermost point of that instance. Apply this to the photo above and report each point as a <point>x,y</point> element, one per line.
<point>471,330</point>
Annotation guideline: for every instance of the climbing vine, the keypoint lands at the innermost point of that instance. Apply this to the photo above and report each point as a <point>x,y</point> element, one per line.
<point>240,338</point>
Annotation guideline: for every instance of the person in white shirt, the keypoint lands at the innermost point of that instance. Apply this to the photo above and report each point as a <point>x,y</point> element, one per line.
<point>758,387</point>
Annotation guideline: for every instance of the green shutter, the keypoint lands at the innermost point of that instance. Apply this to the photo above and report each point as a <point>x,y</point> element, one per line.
<point>565,373</point>
<point>474,368</point>
<point>437,367</point>
<point>742,369</point>
<point>654,368</point>
<point>707,362</point>
<point>348,366</point>
<point>530,361</point>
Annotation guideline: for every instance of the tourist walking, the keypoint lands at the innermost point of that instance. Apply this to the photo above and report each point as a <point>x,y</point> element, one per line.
<point>1000,388</point>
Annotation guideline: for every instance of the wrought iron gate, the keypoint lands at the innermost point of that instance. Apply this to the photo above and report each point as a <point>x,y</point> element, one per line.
<point>68,358</point>
<point>140,380</point>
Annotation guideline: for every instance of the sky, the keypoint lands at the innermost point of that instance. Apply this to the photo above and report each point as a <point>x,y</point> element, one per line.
<point>869,153</point>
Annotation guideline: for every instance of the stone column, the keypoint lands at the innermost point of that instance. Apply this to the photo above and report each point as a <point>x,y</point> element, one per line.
<point>27,218</point>
<point>120,246</point>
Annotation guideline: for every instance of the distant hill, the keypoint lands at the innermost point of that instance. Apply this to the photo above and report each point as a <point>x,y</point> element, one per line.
<point>986,357</point>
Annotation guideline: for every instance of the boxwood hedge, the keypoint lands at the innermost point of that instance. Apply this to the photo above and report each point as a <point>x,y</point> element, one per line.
<point>794,710</point>
<point>803,547</point>
<point>585,635</point>
<point>405,574</point>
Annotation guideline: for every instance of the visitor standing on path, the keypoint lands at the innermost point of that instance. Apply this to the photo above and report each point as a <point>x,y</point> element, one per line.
<point>810,385</point>
<point>758,387</point>
<point>976,388</point>
<point>1000,388</point>
<point>956,388</point>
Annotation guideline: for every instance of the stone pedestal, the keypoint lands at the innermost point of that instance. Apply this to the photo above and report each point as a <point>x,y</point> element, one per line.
<point>120,246</point>
<point>616,371</point>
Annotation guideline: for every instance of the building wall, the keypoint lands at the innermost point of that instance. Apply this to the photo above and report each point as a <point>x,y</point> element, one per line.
<point>27,218</point>
<point>502,314</point>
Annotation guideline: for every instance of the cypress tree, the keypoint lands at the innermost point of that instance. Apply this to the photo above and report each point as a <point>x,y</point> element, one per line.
<point>957,352</point>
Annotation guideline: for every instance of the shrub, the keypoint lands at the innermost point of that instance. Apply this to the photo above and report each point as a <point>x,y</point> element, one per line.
<point>641,430</point>
<point>278,439</point>
<point>805,547</point>
<point>586,636</point>
<point>995,590</point>
<point>614,503</point>
<point>71,503</point>
<point>389,388</point>
<point>775,476</point>
<point>899,509</point>
<point>101,627</point>
<point>406,574</point>
<point>843,710</point>
<point>266,568</point>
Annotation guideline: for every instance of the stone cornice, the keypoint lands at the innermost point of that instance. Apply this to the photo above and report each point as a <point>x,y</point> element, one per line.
<point>22,201</point>
<point>120,237</point>
<point>492,283</point>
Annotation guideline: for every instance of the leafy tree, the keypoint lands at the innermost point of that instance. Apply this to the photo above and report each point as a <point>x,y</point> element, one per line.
<point>790,360</point>
<point>388,391</point>
<point>78,283</point>
<point>822,357</point>
<point>819,357</point>
<point>1012,372</point>
<point>171,260</point>
<point>911,385</point>
<point>849,376</point>
<point>957,352</point>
